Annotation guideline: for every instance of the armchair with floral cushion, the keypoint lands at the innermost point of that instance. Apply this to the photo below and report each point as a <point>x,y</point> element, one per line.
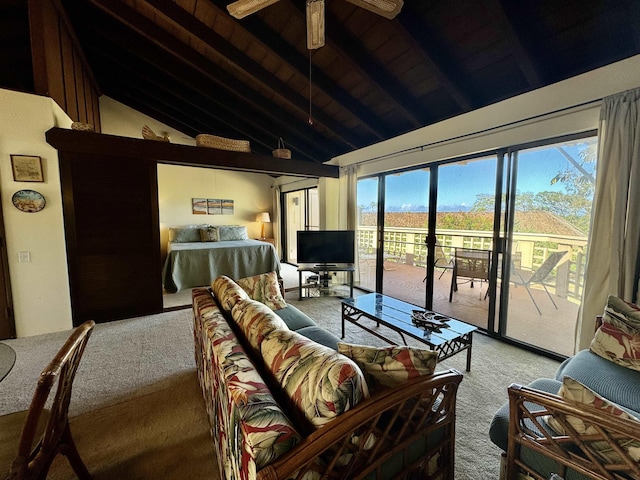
<point>584,424</point>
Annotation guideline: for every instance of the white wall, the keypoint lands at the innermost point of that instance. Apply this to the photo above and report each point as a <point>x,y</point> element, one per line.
<point>40,289</point>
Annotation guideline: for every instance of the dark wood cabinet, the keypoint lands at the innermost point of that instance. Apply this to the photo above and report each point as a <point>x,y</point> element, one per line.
<point>110,206</point>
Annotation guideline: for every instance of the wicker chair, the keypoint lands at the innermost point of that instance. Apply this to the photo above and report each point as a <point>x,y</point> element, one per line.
<point>44,433</point>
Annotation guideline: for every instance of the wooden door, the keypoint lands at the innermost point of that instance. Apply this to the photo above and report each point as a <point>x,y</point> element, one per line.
<point>112,233</point>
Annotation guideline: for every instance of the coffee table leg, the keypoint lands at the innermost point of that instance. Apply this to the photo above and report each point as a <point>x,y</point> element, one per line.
<point>342,321</point>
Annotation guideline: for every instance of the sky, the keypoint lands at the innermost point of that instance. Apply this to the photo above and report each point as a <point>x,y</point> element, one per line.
<point>460,183</point>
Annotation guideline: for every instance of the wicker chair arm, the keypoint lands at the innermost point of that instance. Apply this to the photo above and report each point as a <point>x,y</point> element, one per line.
<point>396,417</point>
<point>574,450</point>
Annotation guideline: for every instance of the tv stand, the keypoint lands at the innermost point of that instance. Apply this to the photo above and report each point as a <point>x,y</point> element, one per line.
<point>323,271</point>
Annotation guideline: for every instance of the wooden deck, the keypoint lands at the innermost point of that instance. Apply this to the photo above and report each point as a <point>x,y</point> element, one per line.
<point>553,330</point>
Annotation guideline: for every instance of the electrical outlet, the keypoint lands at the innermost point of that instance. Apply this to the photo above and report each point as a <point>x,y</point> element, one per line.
<point>24,256</point>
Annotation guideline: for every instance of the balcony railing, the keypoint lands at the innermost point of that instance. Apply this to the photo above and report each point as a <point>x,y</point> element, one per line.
<point>406,246</point>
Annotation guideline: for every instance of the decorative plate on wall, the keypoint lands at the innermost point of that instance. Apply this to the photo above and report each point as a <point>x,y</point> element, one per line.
<point>28,201</point>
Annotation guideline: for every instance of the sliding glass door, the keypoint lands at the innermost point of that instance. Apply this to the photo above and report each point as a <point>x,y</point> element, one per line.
<point>448,236</point>
<point>302,212</point>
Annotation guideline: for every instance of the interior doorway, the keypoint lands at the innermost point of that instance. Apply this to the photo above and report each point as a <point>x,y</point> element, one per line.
<point>301,212</point>
<point>7,320</point>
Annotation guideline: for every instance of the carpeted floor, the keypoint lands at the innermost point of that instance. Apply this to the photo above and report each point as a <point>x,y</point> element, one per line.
<point>138,412</point>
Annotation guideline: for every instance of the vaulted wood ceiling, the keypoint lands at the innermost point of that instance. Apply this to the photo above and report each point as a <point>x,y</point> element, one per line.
<point>190,65</point>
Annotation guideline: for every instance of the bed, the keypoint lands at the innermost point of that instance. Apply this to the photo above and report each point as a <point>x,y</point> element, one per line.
<point>192,264</point>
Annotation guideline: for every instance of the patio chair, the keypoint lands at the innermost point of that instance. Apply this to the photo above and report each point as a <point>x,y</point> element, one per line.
<point>473,264</point>
<point>43,434</point>
<point>526,279</point>
<point>441,261</point>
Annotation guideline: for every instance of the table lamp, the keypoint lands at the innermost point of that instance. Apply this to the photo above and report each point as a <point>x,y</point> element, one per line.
<point>263,218</point>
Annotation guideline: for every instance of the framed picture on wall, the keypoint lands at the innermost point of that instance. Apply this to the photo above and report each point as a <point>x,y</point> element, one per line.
<point>27,168</point>
<point>214,206</point>
<point>199,206</point>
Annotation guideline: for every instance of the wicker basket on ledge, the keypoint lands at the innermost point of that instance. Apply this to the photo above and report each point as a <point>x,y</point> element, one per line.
<point>221,143</point>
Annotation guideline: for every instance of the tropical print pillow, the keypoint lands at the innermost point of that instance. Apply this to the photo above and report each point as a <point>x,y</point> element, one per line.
<point>321,383</point>
<point>265,289</point>
<point>256,321</point>
<point>618,338</point>
<point>390,366</point>
<point>576,392</point>
<point>227,292</point>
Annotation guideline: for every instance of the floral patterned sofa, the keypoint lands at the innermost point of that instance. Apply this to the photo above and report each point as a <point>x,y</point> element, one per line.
<point>283,406</point>
<point>583,424</point>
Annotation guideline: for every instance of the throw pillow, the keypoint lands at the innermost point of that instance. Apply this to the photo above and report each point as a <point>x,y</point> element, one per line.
<point>390,366</point>
<point>321,383</point>
<point>189,233</point>
<point>576,392</point>
<point>233,232</point>
<point>265,289</point>
<point>256,321</point>
<point>209,234</point>
<point>227,292</point>
<point>618,338</point>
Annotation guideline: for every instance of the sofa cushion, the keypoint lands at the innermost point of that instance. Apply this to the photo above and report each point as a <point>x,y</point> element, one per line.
<point>264,288</point>
<point>256,321</point>
<point>392,365</point>
<point>618,384</point>
<point>618,339</point>
<point>320,383</point>
<point>227,292</point>
<point>294,318</point>
<point>320,335</point>
<point>577,392</point>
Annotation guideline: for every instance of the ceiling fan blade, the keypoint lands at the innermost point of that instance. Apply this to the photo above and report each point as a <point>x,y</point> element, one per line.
<point>387,8</point>
<point>242,8</point>
<point>315,24</point>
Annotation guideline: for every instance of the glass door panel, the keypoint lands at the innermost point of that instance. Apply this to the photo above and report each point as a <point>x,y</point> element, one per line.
<point>367,232</point>
<point>464,236</point>
<point>553,188</point>
<point>302,213</point>
<point>406,214</point>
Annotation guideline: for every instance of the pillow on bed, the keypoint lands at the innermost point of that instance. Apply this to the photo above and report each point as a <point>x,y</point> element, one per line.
<point>232,232</point>
<point>209,234</point>
<point>265,289</point>
<point>187,233</point>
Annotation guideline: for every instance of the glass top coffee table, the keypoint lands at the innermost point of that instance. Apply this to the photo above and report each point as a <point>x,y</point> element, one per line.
<point>453,336</point>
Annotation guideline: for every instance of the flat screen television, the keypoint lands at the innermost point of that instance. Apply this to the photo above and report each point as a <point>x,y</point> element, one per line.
<point>326,247</point>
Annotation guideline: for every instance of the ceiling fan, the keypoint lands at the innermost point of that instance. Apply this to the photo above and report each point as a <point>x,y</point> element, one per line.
<point>315,13</point>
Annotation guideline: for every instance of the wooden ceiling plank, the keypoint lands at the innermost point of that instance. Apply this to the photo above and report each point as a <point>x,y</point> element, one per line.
<point>423,43</point>
<point>243,95</point>
<point>234,57</point>
<point>205,105</point>
<point>522,56</point>
<point>163,152</point>
<point>272,41</point>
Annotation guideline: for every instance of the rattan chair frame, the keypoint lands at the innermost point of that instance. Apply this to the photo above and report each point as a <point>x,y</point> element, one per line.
<point>528,406</point>
<point>35,455</point>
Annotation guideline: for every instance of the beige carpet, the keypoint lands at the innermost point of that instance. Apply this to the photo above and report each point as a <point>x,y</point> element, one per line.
<point>163,434</point>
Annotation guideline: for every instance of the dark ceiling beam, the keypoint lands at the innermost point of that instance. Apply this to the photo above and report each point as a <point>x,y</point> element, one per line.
<point>273,42</point>
<point>226,85</point>
<point>231,55</point>
<point>203,112</point>
<point>67,140</point>
<point>423,43</point>
<point>189,88</point>
<point>520,53</point>
<point>350,49</point>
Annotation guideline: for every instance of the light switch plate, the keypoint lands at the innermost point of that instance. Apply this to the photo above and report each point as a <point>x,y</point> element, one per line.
<point>24,257</point>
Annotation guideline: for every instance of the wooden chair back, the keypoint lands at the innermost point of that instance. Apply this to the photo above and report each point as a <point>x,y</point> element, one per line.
<point>35,455</point>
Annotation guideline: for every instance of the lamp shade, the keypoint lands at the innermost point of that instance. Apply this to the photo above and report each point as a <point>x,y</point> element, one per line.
<point>263,217</point>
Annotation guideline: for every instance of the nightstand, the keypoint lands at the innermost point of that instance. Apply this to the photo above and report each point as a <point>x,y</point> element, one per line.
<point>272,241</point>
